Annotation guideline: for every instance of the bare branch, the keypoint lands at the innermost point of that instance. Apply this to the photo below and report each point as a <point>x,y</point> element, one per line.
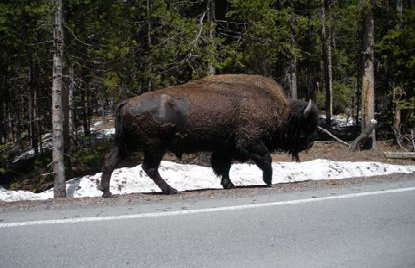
<point>76,38</point>
<point>200,30</point>
<point>334,137</point>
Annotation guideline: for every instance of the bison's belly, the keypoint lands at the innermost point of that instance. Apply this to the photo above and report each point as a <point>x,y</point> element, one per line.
<point>201,139</point>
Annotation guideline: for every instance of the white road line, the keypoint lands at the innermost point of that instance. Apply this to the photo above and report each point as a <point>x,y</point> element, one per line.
<point>205,210</point>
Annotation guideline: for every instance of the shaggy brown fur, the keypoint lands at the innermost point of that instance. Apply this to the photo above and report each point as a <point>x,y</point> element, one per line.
<point>236,117</point>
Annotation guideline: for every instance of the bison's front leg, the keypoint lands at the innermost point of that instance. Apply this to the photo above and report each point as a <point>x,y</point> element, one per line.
<point>264,163</point>
<point>260,155</point>
<point>221,164</point>
<point>150,165</point>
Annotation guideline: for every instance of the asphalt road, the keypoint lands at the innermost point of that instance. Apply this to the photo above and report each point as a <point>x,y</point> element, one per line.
<point>356,225</point>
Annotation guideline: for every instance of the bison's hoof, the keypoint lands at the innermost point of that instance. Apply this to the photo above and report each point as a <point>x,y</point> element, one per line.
<point>228,186</point>
<point>171,190</point>
<point>107,195</point>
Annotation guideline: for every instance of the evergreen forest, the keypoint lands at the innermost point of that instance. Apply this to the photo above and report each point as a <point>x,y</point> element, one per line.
<point>115,49</point>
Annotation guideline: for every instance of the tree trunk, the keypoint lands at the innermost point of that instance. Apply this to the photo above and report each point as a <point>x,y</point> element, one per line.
<point>57,109</point>
<point>357,93</point>
<point>18,108</point>
<point>32,106</point>
<point>327,66</point>
<point>211,25</point>
<point>397,90</point>
<point>368,78</point>
<point>36,122</point>
<point>11,136</point>
<point>292,74</point>
<point>293,77</point>
<point>67,135</point>
<point>65,110</point>
<point>397,93</point>
<point>399,8</point>
<point>365,134</point>
<point>30,113</point>
<point>2,124</point>
<point>85,110</point>
<point>70,105</point>
<point>149,44</point>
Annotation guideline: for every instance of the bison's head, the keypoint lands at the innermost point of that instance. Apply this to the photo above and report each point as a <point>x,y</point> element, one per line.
<point>301,127</point>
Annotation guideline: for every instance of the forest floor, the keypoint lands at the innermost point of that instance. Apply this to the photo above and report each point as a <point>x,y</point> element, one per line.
<point>336,151</point>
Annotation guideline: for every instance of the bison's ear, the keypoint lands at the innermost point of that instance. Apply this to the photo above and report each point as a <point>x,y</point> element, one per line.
<point>307,109</point>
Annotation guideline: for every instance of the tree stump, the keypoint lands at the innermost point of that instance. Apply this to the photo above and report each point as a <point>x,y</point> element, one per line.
<point>364,138</point>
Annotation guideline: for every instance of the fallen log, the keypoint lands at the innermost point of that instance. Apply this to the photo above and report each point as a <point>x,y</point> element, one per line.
<point>400,155</point>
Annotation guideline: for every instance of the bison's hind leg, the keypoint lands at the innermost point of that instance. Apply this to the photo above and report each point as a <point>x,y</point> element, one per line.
<point>259,153</point>
<point>221,165</point>
<point>111,161</point>
<point>150,165</point>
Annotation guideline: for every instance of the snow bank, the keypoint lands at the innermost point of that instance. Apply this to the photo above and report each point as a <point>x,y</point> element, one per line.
<point>192,177</point>
<point>99,134</point>
<point>340,121</point>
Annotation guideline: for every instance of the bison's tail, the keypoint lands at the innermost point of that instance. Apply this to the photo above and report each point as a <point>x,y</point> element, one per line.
<point>120,138</point>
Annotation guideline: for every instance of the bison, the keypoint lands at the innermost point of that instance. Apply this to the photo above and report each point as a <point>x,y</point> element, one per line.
<point>235,117</point>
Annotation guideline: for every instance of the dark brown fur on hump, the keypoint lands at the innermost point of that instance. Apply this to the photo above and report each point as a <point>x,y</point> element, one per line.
<point>251,82</point>
<point>250,100</point>
<point>236,84</point>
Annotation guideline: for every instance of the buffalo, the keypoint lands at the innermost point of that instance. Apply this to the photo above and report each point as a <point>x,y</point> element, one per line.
<point>235,117</point>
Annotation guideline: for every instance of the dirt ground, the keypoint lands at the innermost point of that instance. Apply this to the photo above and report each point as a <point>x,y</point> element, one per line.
<point>334,151</point>
<point>338,152</point>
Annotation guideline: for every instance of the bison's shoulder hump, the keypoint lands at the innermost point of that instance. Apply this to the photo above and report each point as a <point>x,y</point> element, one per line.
<point>249,82</point>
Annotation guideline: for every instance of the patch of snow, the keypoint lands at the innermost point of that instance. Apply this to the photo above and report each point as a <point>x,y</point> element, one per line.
<point>99,123</point>
<point>99,134</point>
<point>192,177</point>
<point>10,196</point>
<point>46,144</point>
<point>343,121</point>
<point>340,120</point>
<point>103,133</point>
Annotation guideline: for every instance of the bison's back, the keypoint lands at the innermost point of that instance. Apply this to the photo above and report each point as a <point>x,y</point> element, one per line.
<point>260,84</point>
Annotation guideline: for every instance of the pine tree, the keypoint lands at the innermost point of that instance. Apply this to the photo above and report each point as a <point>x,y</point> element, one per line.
<point>368,78</point>
<point>59,189</point>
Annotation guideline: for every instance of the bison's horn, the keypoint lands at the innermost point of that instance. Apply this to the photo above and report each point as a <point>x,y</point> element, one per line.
<point>307,109</point>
